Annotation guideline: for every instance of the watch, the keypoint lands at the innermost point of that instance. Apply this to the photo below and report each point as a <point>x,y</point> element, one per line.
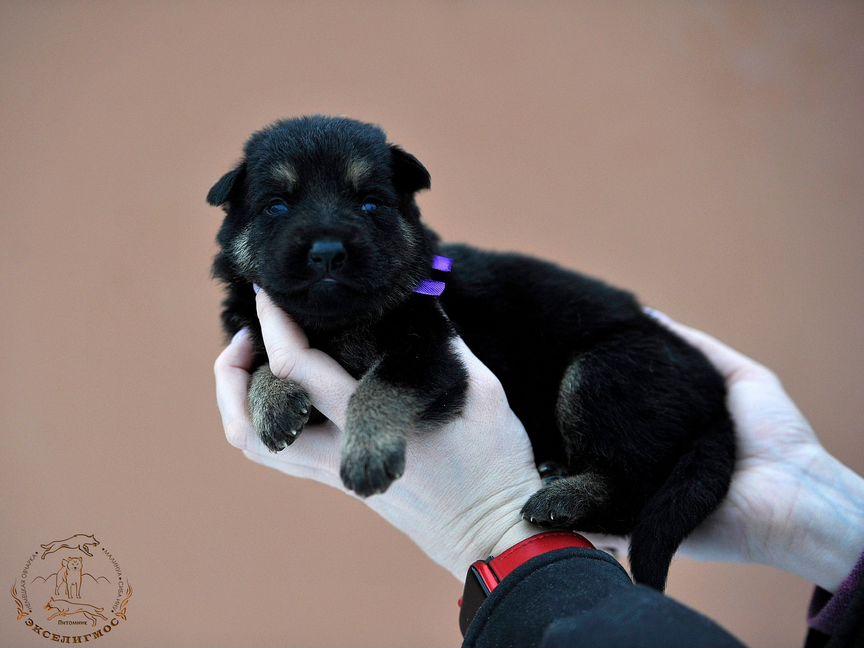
<point>485,575</point>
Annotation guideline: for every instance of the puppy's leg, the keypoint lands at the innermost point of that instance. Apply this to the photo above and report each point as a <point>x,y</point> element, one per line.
<point>279,408</point>
<point>378,418</point>
<point>564,501</point>
<point>647,413</point>
<point>400,394</point>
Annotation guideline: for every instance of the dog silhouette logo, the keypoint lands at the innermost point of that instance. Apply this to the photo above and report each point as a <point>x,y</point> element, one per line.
<point>61,607</point>
<point>71,590</point>
<point>69,576</point>
<point>78,541</point>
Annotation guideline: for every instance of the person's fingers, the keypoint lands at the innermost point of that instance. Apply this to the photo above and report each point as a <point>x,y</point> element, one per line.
<point>472,363</point>
<point>729,362</point>
<point>328,384</point>
<point>232,384</point>
<point>282,462</point>
<point>317,447</point>
<point>485,392</point>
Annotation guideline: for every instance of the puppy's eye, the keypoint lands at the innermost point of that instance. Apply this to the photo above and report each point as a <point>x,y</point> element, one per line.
<point>277,208</point>
<point>369,207</point>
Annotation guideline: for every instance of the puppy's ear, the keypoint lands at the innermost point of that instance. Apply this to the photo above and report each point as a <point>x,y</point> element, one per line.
<point>221,191</point>
<point>408,174</point>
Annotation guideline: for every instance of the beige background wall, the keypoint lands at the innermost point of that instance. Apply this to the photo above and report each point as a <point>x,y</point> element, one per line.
<point>708,156</point>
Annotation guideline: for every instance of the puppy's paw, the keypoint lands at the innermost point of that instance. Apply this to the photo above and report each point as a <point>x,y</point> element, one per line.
<point>279,409</point>
<point>280,427</point>
<point>565,501</point>
<point>371,462</point>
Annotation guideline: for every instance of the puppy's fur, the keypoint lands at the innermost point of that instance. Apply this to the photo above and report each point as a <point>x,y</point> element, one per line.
<point>321,214</point>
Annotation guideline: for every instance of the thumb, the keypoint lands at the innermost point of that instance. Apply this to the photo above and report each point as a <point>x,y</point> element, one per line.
<point>730,363</point>
<point>291,358</point>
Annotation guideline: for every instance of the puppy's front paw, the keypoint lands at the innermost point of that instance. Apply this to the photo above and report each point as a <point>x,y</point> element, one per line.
<point>280,427</point>
<point>563,503</point>
<point>279,409</point>
<point>372,462</point>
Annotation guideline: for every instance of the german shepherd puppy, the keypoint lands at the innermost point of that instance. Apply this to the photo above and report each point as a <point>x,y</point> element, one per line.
<point>320,213</point>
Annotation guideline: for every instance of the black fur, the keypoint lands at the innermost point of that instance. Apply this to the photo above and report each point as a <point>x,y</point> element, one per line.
<point>635,415</point>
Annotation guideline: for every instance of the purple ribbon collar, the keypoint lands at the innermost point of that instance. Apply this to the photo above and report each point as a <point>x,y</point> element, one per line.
<point>431,286</point>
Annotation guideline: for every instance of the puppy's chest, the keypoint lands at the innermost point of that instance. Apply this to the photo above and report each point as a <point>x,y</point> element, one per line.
<point>356,350</point>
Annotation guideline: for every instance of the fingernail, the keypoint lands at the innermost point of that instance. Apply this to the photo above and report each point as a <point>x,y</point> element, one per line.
<point>656,314</point>
<point>256,288</point>
<point>241,334</point>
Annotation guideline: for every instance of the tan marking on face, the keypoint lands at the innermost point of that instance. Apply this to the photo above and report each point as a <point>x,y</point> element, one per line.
<point>242,253</point>
<point>358,169</point>
<point>285,172</point>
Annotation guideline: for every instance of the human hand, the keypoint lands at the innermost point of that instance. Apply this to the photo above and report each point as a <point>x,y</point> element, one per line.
<point>464,484</point>
<point>791,505</point>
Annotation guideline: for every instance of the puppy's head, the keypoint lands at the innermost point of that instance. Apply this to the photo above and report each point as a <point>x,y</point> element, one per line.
<point>321,214</point>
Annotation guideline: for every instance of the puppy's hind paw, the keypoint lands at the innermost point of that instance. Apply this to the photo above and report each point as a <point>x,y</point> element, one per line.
<point>565,501</point>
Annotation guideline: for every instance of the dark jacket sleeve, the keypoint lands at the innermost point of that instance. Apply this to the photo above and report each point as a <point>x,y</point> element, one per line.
<point>583,597</point>
<point>837,621</point>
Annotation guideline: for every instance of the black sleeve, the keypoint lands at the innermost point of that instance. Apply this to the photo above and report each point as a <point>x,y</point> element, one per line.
<point>583,597</point>
<point>848,630</point>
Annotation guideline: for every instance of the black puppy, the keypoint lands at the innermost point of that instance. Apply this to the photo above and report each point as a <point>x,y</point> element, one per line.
<point>321,214</point>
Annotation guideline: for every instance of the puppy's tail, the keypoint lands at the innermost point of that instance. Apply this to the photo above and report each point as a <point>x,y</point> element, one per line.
<point>694,489</point>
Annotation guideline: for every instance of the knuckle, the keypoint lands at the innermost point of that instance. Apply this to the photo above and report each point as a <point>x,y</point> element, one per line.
<point>763,373</point>
<point>768,375</point>
<point>219,364</point>
<point>282,362</point>
<point>235,433</point>
<point>755,372</point>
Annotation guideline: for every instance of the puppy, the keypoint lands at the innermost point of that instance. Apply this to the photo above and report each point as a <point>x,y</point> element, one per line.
<point>321,213</point>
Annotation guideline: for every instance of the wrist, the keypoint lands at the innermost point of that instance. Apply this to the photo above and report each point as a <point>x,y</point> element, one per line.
<point>495,525</point>
<point>485,575</point>
<point>823,536</point>
<point>516,533</point>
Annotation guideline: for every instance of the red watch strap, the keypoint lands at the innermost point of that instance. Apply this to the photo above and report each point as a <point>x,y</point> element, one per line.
<point>484,575</point>
<point>537,545</point>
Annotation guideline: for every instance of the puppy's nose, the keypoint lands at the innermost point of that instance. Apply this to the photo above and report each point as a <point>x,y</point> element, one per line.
<point>326,256</point>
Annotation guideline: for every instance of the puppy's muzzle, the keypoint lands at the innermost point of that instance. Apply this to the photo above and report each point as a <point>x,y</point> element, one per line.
<point>327,256</point>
